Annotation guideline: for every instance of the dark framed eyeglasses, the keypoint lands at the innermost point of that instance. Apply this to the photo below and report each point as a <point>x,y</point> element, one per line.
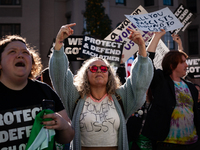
<point>95,68</point>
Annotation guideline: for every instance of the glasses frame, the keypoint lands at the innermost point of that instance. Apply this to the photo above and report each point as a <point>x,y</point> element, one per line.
<point>98,67</point>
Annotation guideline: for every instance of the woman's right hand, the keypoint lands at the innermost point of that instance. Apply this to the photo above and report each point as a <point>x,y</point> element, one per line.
<point>155,39</point>
<point>64,32</point>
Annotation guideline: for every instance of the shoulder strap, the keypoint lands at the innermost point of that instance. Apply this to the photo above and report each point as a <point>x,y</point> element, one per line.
<point>119,99</point>
<point>76,102</point>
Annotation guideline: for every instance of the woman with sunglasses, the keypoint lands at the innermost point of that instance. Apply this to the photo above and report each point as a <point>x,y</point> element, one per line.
<point>98,119</point>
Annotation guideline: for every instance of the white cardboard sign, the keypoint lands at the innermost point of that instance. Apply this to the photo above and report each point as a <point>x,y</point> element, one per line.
<point>161,19</point>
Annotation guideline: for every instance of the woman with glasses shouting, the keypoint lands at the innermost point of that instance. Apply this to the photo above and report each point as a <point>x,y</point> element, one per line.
<point>99,116</point>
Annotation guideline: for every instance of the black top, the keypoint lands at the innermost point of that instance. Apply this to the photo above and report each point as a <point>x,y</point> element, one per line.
<point>18,109</point>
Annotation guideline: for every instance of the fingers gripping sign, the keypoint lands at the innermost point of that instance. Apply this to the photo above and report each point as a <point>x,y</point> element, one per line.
<point>160,34</point>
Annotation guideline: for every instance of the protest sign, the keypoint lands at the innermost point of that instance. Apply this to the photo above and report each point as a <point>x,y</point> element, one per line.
<point>110,50</point>
<point>72,47</point>
<point>193,69</point>
<point>161,19</point>
<point>128,65</point>
<point>185,17</point>
<point>161,50</point>
<point>120,34</point>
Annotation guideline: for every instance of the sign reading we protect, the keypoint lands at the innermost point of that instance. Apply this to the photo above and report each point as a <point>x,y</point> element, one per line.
<point>110,50</point>
<point>161,19</point>
<point>193,69</point>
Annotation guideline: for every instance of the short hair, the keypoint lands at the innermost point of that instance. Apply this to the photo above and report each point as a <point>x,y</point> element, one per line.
<point>82,83</point>
<point>36,60</point>
<point>171,60</point>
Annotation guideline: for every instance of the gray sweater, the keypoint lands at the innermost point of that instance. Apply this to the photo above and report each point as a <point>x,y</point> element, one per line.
<point>132,92</point>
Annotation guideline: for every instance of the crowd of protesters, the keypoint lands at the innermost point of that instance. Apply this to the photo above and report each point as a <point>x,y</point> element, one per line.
<point>154,109</point>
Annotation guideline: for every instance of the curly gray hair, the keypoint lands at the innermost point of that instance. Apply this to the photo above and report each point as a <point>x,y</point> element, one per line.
<point>82,83</point>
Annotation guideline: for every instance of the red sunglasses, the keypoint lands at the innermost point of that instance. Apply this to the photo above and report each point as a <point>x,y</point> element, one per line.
<point>95,68</point>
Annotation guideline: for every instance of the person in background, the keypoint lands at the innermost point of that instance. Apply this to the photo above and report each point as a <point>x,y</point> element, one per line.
<point>121,72</point>
<point>173,120</point>
<point>44,77</point>
<point>98,117</point>
<point>22,96</point>
<point>178,40</point>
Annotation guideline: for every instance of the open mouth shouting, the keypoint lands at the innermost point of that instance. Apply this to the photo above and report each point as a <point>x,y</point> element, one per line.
<point>20,64</point>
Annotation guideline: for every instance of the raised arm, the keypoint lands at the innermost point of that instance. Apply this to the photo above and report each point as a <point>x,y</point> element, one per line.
<point>137,38</point>
<point>64,32</point>
<point>177,39</point>
<point>61,75</point>
<point>154,42</point>
<point>133,90</point>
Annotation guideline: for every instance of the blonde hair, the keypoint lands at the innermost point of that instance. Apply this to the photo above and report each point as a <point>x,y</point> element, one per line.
<point>82,83</point>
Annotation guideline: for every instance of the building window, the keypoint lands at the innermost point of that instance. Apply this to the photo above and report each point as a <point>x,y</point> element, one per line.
<point>192,5</point>
<point>168,2</point>
<point>148,2</point>
<point>193,41</point>
<point>120,2</point>
<point>9,29</point>
<point>10,2</point>
<point>168,40</point>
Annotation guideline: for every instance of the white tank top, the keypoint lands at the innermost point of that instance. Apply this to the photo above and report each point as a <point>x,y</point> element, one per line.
<point>99,123</point>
